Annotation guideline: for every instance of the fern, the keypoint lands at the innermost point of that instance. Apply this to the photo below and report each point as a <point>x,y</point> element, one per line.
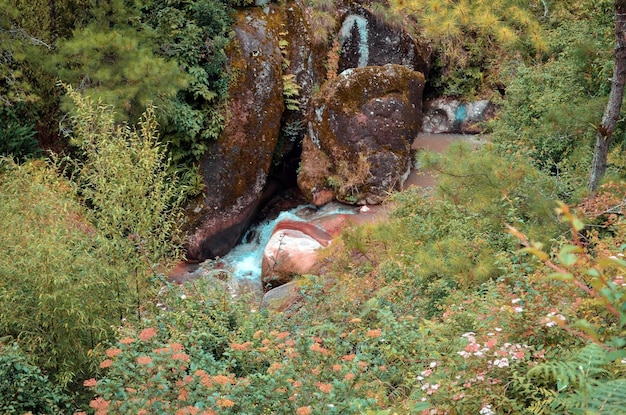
<point>582,383</point>
<point>291,92</point>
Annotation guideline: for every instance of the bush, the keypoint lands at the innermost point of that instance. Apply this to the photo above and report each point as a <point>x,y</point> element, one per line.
<point>24,389</point>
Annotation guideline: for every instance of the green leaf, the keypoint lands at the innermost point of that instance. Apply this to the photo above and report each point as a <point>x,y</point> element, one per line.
<point>560,276</point>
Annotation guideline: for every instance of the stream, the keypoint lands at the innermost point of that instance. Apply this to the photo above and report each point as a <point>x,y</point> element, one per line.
<point>244,261</point>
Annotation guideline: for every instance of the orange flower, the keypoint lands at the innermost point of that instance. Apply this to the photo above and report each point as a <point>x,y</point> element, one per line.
<point>90,383</point>
<point>274,367</point>
<point>144,360</point>
<point>337,367</point>
<point>374,333</point>
<point>127,340</point>
<point>99,404</point>
<point>183,395</point>
<point>324,387</point>
<point>243,346</point>
<point>349,376</point>
<point>147,334</point>
<point>296,384</point>
<point>113,352</point>
<point>282,335</point>
<point>257,334</point>
<point>303,410</point>
<point>348,357</point>
<point>221,379</point>
<point>106,363</point>
<point>177,347</point>
<point>316,347</point>
<point>355,320</point>
<point>225,403</point>
<point>183,357</point>
<point>187,410</point>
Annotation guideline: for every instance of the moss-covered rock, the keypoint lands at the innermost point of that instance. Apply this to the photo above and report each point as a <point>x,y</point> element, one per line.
<point>236,166</point>
<point>361,126</point>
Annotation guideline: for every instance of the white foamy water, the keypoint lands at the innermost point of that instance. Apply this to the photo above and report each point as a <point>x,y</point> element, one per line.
<point>245,260</point>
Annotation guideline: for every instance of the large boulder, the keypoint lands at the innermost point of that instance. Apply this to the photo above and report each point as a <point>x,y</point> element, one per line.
<point>293,247</point>
<point>236,166</point>
<point>290,251</point>
<point>360,129</point>
<point>366,40</point>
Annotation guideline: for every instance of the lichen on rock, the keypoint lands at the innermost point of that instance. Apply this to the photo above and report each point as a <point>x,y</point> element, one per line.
<point>361,125</point>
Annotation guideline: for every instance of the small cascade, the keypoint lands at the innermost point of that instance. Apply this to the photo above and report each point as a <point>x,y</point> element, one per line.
<point>244,260</point>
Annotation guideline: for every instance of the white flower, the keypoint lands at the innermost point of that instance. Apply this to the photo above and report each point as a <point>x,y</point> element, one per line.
<point>518,309</point>
<point>504,362</point>
<point>486,410</point>
<point>433,364</point>
<point>498,329</point>
<point>515,300</point>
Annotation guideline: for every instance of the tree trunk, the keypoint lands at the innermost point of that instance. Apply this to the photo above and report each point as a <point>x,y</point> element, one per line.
<point>614,106</point>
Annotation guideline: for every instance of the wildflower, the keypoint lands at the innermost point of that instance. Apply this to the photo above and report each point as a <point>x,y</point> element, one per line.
<point>99,404</point>
<point>355,320</point>
<point>243,346</point>
<point>518,309</point>
<point>113,352</point>
<point>221,379</point>
<point>225,403</point>
<point>106,363</point>
<point>89,383</point>
<point>282,335</point>
<point>433,364</point>
<point>504,362</point>
<point>316,347</point>
<point>486,410</point>
<point>183,357</point>
<point>127,340</point>
<point>147,334</point>
<point>177,347</point>
<point>459,396</point>
<point>303,410</point>
<point>349,376</point>
<point>498,329</point>
<point>324,387</point>
<point>144,360</point>
<point>337,367</point>
<point>187,410</point>
<point>348,357</point>
<point>515,301</point>
<point>374,333</point>
<point>274,367</point>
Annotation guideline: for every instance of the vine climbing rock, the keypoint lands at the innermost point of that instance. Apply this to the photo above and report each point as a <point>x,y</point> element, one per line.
<point>236,165</point>
<point>361,126</point>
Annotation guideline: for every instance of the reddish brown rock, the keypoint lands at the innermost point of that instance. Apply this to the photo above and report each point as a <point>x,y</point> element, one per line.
<point>236,166</point>
<point>361,125</point>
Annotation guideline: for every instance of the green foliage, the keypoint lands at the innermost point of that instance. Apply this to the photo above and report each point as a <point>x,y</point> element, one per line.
<point>193,34</point>
<point>18,138</point>
<point>124,178</point>
<point>24,389</point>
<point>472,38</point>
<point>60,292</point>
<point>65,287</point>
<point>119,68</point>
<point>291,92</point>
